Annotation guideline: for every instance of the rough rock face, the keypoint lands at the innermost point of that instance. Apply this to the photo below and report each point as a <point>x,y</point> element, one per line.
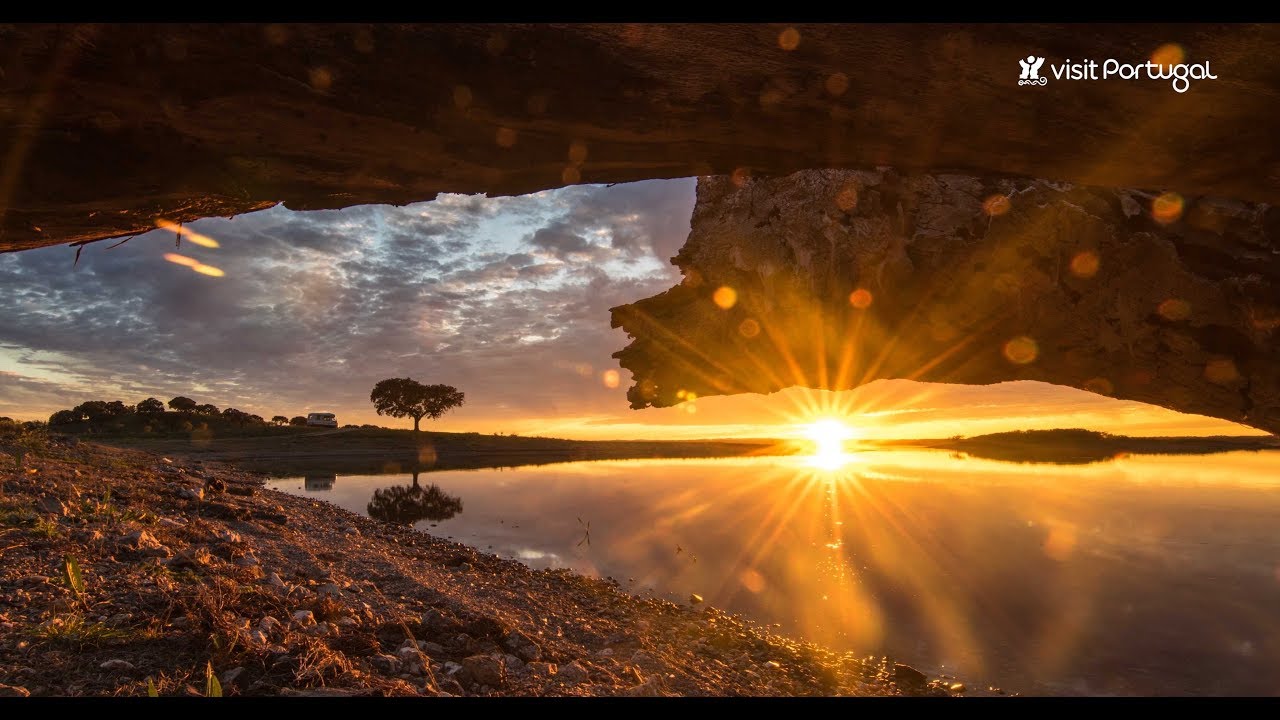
<point>839,277</point>
<point>106,128</point>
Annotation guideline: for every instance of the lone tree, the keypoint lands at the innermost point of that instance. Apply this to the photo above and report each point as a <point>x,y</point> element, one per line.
<point>405,397</point>
<point>279,420</point>
<point>182,404</point>
<point>297,420</point>
<point>150,406</point>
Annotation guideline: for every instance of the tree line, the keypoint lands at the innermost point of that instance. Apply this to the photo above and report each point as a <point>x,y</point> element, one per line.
<point>182,413</point>
<point>393,397</point>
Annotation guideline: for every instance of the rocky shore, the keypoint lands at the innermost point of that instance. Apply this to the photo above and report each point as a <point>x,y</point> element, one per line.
<point>123,571</point>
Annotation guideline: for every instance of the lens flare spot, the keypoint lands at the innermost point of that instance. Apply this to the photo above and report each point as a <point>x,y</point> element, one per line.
<point>191,236</point>
<point>1221,371</point>
<point>680,394</point>
<point>725,297</point>
<point>1167,208</point>
<point>570,175</point>
<point>1099,385</point>
<point>837,84</point>
<point>276,34</point>
<point>209,270</point>
<point>1085,264</point>
<point>1168,54</point>
<point>996,205</point>
<point>749,328</point>
<point>537,103</point>
<point>427,455</point>
<point>182,260</point>
<point>847,198</point>
<point>363,40</point>
<point>861,298</point>
<point>610,378</point>
<point>789,39</point>
<point>496,43</point>
<point>740,176</point>
<point>462,97</point>
<point>505,137</point>
<point>577,152</point>
<point>752,580</point>
<point>1021,350</point>
<point>321,78</point>
<point>1174,309</point>
<point>1061,542</point>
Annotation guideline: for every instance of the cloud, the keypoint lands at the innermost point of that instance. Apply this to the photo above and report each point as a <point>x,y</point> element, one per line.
<point>507,298</point>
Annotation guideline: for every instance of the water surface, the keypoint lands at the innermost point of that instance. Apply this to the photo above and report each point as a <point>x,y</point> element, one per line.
<point>1145,575</point>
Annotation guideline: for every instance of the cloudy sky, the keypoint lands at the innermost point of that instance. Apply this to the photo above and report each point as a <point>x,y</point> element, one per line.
<point>505,298</point>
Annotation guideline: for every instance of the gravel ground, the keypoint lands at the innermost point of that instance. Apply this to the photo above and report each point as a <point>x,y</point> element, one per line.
<point>192,569</point>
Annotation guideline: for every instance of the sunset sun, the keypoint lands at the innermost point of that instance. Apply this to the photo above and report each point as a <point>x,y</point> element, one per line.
<point>828,436</point>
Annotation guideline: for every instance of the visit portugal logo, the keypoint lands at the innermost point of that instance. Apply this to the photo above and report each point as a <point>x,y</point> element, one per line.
<point>1166,64</point>
<point>1031,71</point>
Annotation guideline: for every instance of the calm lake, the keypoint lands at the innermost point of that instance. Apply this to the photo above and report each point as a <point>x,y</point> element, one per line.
<point>1156,574</point>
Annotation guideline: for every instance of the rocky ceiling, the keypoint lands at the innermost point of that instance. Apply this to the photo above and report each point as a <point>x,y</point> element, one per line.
<point>108,128</point>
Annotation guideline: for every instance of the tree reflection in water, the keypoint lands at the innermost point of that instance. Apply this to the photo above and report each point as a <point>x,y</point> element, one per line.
<point>407,504</point>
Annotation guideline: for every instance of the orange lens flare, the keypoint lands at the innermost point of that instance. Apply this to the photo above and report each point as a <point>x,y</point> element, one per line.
<point>190,235</point>
<point>1167,208</point>
<point>725,297</point>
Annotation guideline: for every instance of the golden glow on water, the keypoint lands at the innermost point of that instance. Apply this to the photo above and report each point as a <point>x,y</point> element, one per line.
<point>1036,577</point>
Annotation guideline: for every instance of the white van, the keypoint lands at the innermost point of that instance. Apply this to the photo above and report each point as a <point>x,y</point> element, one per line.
<point>322,420</point>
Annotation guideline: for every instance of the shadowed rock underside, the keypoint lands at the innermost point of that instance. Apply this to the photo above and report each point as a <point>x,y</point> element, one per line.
<point>838,278</point>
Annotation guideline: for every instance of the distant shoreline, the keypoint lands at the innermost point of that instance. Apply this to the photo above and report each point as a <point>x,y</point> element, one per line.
<point>1076,446</point>
<point>286,451</point>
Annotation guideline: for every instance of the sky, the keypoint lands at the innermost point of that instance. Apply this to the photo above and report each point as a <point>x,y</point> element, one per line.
<point>505,298</point>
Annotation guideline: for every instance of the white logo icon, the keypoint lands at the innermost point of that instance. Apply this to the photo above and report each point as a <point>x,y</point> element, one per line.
<point>1031,71</point>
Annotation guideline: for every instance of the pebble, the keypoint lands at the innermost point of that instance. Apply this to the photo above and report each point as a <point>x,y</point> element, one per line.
<point>187,493</point>
<point>485,670</point>
<point>189,557</point>
<point>957,687</point>
<point>52,505</point>
<point>544,669</point>
<point>116,664</point>
<point>773,665</point>
<point>246,561</point>
<point>522,646</point>
<point>268,624</point>
<point>329,589</point>
<point>573,673</point>
<point>304,617</point>
<point>907,675</point>
<point>451,668</point>
<point>274,580</point>
<point>229,677</point>
<point>408,654</point>
<point>648,688</point>
<point>227,536</point>
<point>642,658</point>
<point>385,664</point>
<point>695,599</point>
<point>351,530</point>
